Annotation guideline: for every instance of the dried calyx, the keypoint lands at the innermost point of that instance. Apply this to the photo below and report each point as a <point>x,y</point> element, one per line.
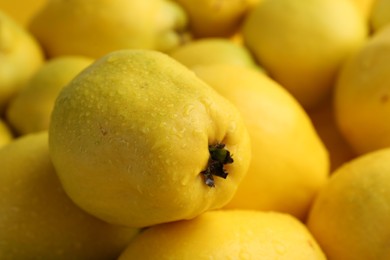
<point>219,156</point>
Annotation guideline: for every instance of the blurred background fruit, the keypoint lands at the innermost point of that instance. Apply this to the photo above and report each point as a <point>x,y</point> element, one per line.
<point>253,3</point>
<point>365,7</point>
<point>349,216</point>
<point>37,218</point>
<point>21,11</point>
<point>227,234</point>
<point>77,27</point>
<point>211,18</point>
<point>20,56</point>
<point>362,95</point>
<point>6,135</point>
<point>30,110</point>
<point>206,51</point>
<point>301,44</point>
<point>380,15</point>
<point>289,162</point>
<point>323,119</point>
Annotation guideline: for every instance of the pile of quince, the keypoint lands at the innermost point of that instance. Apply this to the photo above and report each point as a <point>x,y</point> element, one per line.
<point>184,129</point>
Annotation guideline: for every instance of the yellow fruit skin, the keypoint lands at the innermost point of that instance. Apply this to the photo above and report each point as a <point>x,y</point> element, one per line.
<point>95,28</point>
<point>209,18</point>
<point>362,96</point>
<point>227,234</point>
<point>324,121</point>
<point>129,138</point>
<point>301,44</point>
<point>380,14</point>
<point>289,161</point>
<point>22,10</point>
<point>20,57</point>
<point>6,135</point>
<point>365,7</point>
<point>350,215</point>
<point>38,220</point>
<point>30,110</point>
<point>208,51</point>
